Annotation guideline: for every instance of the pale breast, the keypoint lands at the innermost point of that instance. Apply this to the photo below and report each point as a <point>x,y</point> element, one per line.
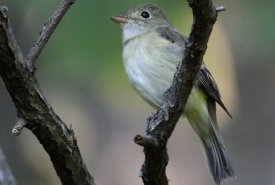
<point>150,63</point>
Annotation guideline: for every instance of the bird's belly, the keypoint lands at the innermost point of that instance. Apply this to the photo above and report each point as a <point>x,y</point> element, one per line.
<point>150,64</point>
<point>151,87</point>
<point>149,81</point>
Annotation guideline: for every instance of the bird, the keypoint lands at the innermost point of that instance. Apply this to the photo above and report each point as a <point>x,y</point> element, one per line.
<point>152,50</point>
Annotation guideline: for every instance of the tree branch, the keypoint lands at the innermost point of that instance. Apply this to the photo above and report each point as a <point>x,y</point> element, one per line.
<point>20,124</point>
<point>6,177</point>
<point>46,33</point>
<point>161,125</point>
<point>32,106</point>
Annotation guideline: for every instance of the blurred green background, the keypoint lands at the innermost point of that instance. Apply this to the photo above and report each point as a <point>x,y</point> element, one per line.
<point>82,76</point>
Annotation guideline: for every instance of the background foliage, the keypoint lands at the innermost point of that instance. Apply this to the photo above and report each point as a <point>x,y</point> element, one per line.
<point>81,74</point>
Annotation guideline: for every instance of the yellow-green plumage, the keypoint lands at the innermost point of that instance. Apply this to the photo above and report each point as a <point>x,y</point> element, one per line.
<point>197,114</point>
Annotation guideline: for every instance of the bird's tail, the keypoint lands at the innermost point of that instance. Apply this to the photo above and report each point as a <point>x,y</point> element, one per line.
<point>218,161</point>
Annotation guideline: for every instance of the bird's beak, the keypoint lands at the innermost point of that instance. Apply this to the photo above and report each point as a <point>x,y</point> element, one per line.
<point>120,19</point>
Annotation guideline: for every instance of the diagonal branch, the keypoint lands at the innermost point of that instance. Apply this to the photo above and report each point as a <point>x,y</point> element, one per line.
<point>34,110</point>
<point>46,33</point>
<point>6,176</point>
<point>161,125</point>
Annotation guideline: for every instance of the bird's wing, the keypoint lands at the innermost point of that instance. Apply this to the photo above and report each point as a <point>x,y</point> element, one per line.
<point>171,34</point>
<point>206,81</point>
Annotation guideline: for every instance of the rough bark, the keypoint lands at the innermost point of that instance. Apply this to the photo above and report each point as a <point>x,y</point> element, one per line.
<point>161,125</point>
<point>33,110</point>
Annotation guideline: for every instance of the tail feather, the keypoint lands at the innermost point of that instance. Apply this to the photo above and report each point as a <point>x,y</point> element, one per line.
<point>218,161</point>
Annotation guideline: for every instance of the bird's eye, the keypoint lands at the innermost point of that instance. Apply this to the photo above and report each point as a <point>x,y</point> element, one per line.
<point>145,14</point>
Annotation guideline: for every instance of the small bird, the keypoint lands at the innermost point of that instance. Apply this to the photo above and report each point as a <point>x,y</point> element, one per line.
<point>152,49</point>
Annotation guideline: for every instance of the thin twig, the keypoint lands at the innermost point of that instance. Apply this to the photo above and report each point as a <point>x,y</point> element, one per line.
<point>20,124</point>
<point>220,8</point>
<point>46,33</point>
<point>145,140</point>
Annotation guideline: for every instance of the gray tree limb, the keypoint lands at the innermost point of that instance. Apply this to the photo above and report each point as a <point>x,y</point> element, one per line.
<point>32,107</point>
<point>6,177</point>
<point>46,33</point>
<point>161,125</point>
